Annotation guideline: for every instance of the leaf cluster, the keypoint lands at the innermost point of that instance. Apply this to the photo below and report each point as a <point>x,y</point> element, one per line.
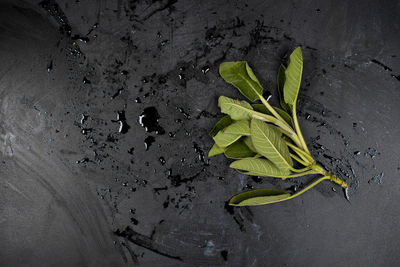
<point>261,139</point>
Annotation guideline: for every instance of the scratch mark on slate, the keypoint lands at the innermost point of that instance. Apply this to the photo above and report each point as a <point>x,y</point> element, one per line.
<point>145,242</point>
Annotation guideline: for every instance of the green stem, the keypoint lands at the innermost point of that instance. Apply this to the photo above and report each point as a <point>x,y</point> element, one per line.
<point>272,110</point>
<point>326,177</point>
<point>339,181</point>
<point>301,170</point>
<point>297,128</point>
<point>298,174</point>
<point>304,189</point>
<point>304,155</point>
<point>288,131</point>
<point>299,160</point>
<point>284,125</point>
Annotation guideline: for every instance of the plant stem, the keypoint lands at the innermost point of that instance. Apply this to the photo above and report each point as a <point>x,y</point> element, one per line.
<point>304,189</point>
<point>297,128</point>
<point>304,155</point>
<point>272,110</point>
<point>301,170</point>
<point>295,134</point>
<point>299,160</point>
<point>298,174</point>
<point>287,130</point>
<point>339,181</point>
<point>326,177</point>
<point>283,124</point>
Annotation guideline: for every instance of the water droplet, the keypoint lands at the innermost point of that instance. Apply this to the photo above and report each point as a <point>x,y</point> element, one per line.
<point>181,110</point>
<point>117,93</point>
<point>199,152</point>
<point>134,221</point>
<point>123,125</point>
<point>50,66</point>
<point>371,152</point>
<point>149,120</point>
<point>162,160</point>
<point>346,193</point>
<point>148,141</point>
<point>84,160</point>
<point>83,118</point>
<point>85,131</point>
<point>86,81</point>
<point>80,38</point>
<point>205,69</point>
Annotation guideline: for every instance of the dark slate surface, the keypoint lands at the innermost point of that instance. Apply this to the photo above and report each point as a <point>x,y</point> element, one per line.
<point>84,85</point>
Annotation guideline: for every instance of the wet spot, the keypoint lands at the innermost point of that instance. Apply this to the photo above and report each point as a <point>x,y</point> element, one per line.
<point>149,120</point>
<point>148,142</point>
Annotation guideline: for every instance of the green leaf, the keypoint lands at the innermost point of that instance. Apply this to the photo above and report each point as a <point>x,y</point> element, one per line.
<point>293,77</point>
<point>268,142</point>
<point>215,150</point>
<point>259,167</point>
<point>238,150</point>
<point>259,197</point>
<point>236,109</point>
<point>249,143</point>
<point>240,75</point>
<point>240,127</point>
<point>280,80</point>
<point>263,109</point>
<point>223,139</point>
<point>221,124</point>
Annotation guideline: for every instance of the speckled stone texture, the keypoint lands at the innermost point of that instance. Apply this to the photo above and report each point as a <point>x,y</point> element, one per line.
<point>105,109</point>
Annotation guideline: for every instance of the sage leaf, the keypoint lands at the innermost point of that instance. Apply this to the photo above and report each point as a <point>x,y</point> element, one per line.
<point>221,124</point>
<point>239,127</point>
<point>240,75</point>
<point>223,139</point>
<point>293,77</point>
<point>238,150</point>
<point>268,142</point>
<point>236,109</point>
<point>259,167</point>
<point>263,109</point>
<point>259,197</point>
<point>215,150</point>
<point>249,143</point>
<point>280,81</point>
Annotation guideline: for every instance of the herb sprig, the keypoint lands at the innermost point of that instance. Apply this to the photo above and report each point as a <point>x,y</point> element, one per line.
<point>265,140</point>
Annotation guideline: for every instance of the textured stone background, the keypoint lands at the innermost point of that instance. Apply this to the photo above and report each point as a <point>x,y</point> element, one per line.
<point>78,190</point>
